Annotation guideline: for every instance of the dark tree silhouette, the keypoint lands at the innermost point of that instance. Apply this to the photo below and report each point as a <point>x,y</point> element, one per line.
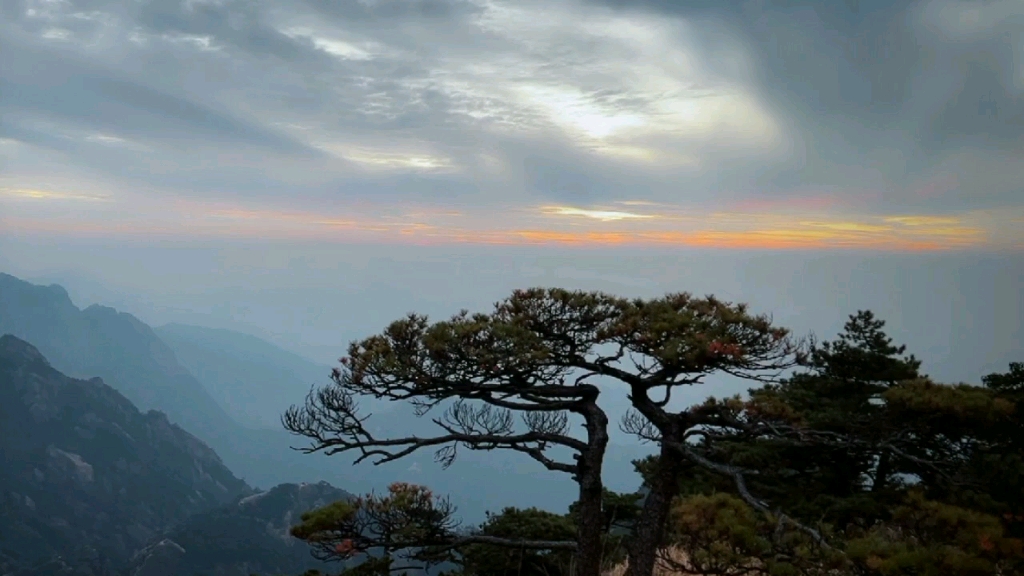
<point>680,341</point>
<point>537,356</point>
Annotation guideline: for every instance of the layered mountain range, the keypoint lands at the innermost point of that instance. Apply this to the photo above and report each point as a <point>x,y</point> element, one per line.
<point>91,485</point>
<point>128,355</point>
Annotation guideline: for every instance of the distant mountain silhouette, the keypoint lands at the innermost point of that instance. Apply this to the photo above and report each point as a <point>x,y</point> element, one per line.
<point>129,356</point>
<point>252,379</point>
<point>100,341</point>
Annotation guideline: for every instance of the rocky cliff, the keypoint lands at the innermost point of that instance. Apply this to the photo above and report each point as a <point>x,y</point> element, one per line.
<point>86,476</point>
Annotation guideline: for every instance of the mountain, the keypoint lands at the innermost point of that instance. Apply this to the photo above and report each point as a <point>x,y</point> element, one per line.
<point>253,380</point>
<point>129,356</point>
<point>100,341</point>
<point>91,486</point>
<point>86,476</point>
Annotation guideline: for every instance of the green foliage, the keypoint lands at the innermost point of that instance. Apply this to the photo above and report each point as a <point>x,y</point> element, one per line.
<point>515,523</point>
<point>721,534</point>
<point>718,532</point>
<point>858,464</point>
<point>1000,467</point>
<point>930,538</point>
<point>903,475</point>
<point>537,355</point>
<point>843,393</point>
<point>1010,383</point>
<point>322,523</point>
<point>404,523</point>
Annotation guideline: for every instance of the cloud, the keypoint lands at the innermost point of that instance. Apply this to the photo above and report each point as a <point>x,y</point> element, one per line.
<point>76,93</point>
<point>34,194</point>
<point>922,220</point>
<point>828,109</point>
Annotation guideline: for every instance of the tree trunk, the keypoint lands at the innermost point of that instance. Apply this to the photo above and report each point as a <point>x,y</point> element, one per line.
<point>590,519</point>
<point>649,531</point>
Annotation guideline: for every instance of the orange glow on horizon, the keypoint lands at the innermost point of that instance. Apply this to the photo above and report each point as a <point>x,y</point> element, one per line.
<point>569,227</point>
<point>776,239</point>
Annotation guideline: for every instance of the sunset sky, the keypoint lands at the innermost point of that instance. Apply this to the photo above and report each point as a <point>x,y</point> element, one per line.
<point>309,170</point>
<point>882,126</point>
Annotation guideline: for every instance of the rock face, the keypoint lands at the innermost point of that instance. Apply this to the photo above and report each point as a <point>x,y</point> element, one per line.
<point>86,477</point>
<point>250,536</point>
<point>160,559</point>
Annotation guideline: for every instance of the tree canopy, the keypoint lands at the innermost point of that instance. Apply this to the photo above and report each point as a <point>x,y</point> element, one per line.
<point>901,475</point>
<point>536,356</point>
<point>856,463</point>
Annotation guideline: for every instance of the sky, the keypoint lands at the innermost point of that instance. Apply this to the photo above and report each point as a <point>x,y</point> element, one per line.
<point>307,171</point>
<point>885,126</point>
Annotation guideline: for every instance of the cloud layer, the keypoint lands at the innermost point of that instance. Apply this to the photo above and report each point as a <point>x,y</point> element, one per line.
<point>744,124</point>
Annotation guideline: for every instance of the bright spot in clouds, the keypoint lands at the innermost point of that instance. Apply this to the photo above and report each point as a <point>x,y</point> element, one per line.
<point>602,215</point>
<point>333,46</point>
<point>571,107</point>
<point>36,194</point>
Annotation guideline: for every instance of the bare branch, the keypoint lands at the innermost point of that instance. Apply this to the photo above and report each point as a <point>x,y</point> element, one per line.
<point>633,422</point>
<point>547,422</point>
<point>553,465</point>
